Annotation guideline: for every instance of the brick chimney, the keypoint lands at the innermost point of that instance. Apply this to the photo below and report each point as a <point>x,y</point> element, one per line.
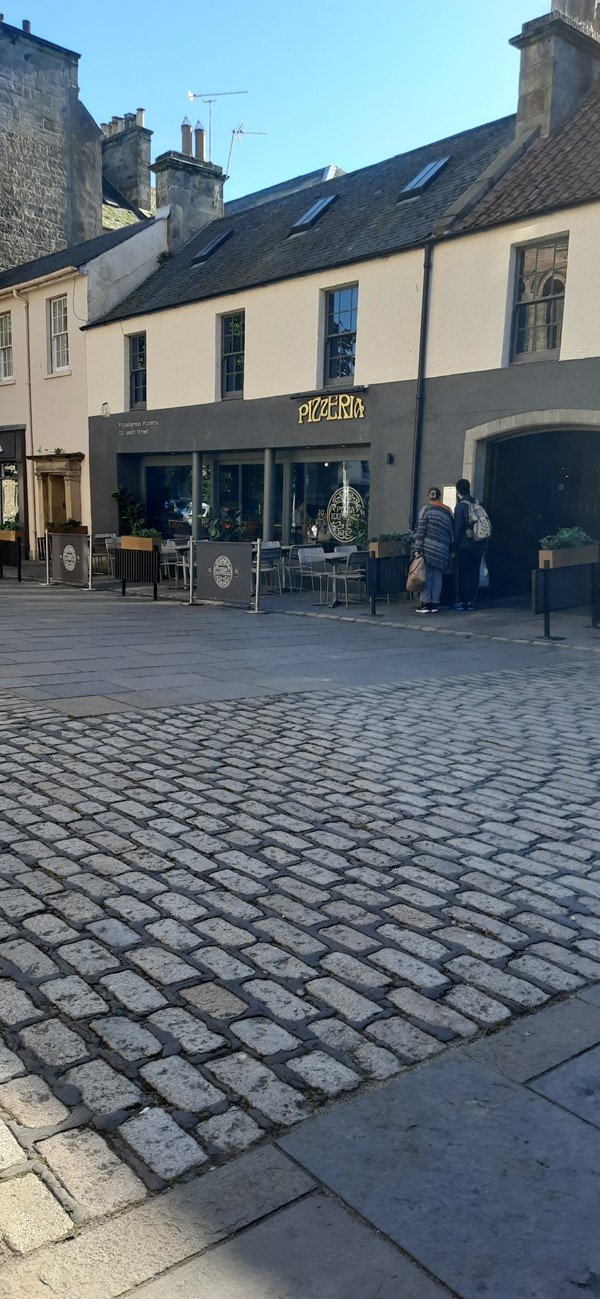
<point>191,187</point>
<point>126,157</point>
<point>560,63</point>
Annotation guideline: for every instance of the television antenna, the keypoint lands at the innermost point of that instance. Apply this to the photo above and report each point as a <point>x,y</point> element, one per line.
<point>236,134</point>
<point>210,97</point>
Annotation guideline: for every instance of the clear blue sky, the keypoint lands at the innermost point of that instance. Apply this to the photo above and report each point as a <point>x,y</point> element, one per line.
<point>349,83</point>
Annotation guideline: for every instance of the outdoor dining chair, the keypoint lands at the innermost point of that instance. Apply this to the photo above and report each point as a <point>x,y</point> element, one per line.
<point>271,567</point>
<point>311,563</point>
<point>350,574</point>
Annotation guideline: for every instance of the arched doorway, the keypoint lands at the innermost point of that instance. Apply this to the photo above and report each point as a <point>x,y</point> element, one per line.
<point>534,480</point>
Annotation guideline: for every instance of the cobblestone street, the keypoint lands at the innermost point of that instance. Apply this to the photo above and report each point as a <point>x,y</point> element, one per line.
<point>217,918</point>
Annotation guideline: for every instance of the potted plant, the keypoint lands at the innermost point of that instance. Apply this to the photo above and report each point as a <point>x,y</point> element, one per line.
<point>388,545</point>
<point>568,546</point>
<point>226,526</point>
<point>11,529</point>
<point>134,533</point>
<point>141,539</point>
<point>69,525</point>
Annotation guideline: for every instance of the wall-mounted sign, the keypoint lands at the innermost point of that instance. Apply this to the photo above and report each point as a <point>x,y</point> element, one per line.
<point>338,405</point>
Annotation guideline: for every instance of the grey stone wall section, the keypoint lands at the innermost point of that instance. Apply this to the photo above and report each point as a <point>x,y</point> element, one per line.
<point>50,151</point>
<point>126,163</point>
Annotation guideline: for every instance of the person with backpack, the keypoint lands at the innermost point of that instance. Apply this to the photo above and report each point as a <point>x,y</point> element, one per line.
<point>433,542</point>
<point>472,528</point>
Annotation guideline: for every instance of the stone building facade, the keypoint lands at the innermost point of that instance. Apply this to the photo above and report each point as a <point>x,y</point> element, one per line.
<point>50,150</point>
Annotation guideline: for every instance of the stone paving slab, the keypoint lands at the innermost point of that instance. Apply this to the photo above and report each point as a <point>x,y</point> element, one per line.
<point>575,1086</point>
<point>113,1257</point>
<point>533,1045</point>
<point>312,1250</point>
<point>490,1188</point>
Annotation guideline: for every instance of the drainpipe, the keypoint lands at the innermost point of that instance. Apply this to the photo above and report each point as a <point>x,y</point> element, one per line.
<point>420,395</point>
<point>25,302</point>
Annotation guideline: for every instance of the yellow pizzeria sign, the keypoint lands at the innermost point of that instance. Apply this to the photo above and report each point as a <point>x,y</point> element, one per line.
<point>338,405</point>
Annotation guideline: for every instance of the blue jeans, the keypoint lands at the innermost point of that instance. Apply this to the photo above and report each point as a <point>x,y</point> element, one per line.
<point>433,585</point>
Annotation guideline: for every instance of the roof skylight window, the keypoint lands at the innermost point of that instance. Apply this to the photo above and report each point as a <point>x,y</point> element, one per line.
<point>211,248</point>
<point>423,178</point>
<point>309,218</point>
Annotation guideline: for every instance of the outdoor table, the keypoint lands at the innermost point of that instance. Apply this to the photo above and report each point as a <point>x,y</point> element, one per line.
<point>333,560</point>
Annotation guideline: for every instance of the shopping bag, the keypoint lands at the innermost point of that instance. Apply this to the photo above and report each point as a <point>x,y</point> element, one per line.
<point>416,575</point>
<point>484,573</point>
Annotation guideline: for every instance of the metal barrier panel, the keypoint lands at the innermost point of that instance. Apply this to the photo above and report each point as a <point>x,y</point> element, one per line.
<point>70,559</point>
<point>224,571</point>
<point>137,565</point>
<point>568,587</point>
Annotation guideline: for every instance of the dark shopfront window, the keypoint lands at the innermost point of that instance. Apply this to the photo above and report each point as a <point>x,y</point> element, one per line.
<point>329,501</point>
<point>241,492</point>
<point>169,499</point>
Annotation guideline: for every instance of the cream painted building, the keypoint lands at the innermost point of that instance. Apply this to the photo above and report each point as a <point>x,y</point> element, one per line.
<point>44,461</point>
<point>329,356</point>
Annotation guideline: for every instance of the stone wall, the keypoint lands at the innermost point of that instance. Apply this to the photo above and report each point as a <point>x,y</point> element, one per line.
<point>50,151</point>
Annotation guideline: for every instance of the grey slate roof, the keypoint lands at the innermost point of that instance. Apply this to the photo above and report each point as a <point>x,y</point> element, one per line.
<point>112,195</point>
<point>292,186</point>
<point>366,221</point>
<point>78,256</point>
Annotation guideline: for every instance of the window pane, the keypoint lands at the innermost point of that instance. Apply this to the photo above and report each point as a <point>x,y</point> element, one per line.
<point>340,341</point>
<point>233,340</point>
<point>539,297</point>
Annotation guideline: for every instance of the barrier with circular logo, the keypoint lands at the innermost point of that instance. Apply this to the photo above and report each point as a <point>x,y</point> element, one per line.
<point>223,571</point>
<point>70,559</point>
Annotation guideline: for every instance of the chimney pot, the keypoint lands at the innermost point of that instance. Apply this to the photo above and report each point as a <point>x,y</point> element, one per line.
<point>199,142</point>
<point>26,25</point>
<point>186,137</point>
<point>139,116</point>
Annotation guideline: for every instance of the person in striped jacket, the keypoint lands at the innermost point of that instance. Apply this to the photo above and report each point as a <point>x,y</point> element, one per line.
<point>434,539</point>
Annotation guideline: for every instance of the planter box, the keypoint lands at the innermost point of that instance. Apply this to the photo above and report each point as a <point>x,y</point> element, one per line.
<point>388,549</point>
<point>570,555</point>
<point>140,543</point>
<point>8,534</point>
<point>80,531</point>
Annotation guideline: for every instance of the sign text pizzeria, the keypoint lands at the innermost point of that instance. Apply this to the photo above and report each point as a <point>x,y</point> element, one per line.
<point>338,405</point>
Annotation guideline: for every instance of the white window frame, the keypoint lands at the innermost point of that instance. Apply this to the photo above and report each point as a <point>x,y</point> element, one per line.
<point>58,338</point>
<point>6,347</point>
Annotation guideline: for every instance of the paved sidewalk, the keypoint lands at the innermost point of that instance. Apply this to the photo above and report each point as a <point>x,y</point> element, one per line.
<point>354,854</point>
<point>476,1176</point>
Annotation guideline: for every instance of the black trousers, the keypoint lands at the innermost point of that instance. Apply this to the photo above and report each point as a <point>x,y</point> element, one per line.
<point>468,563</point>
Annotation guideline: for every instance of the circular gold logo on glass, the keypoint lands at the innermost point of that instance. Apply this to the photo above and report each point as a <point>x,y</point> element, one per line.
<point>345,513</point>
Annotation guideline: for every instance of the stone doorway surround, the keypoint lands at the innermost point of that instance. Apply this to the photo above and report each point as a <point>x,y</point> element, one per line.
<point>477,438</point>
<point>58,480</point>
